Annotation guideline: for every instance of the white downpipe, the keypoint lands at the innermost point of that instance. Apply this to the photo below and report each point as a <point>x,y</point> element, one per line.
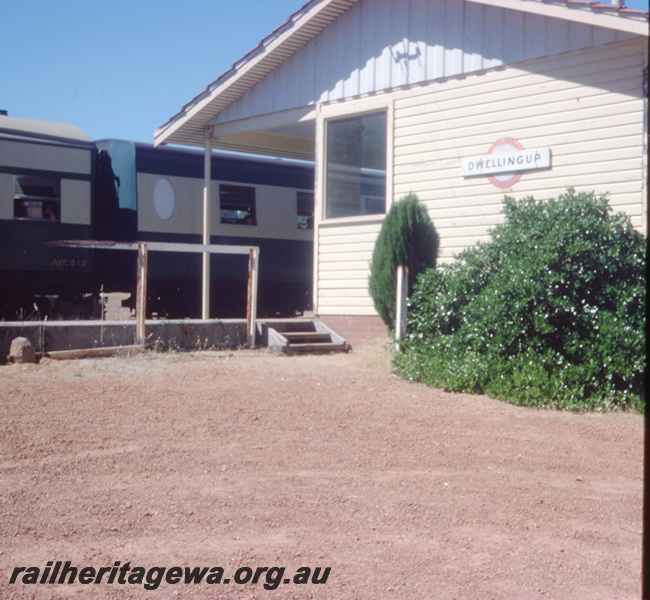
<point>400,298</point>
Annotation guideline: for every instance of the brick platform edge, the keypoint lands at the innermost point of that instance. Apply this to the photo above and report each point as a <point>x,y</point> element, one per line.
<point>356,330</point>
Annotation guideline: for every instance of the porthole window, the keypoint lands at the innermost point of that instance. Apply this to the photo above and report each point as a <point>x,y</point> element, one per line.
<point>163,199</point>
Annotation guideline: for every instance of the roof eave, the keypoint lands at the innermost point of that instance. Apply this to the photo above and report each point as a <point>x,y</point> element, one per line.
<point>302,26</point>
<point>588,13</point>
<point>189,126</point>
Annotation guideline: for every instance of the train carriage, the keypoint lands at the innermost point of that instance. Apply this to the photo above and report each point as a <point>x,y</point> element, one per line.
<point>56,183</point>
<point>46,180</point>
<point>156,194</point>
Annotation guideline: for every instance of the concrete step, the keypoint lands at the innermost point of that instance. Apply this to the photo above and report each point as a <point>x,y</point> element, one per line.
<point>307,337</point>
<point>296,336</point>
<point>298,348</point>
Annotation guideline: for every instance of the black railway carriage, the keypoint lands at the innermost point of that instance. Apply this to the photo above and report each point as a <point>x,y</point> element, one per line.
<point>56,183</point>
<point>156,194</point>
<point>46,180</point>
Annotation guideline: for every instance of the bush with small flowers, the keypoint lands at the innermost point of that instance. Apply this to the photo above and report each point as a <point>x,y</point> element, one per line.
<point>549,312</point>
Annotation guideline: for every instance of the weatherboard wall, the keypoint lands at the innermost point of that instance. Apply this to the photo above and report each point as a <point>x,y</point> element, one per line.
<point>586,106</point>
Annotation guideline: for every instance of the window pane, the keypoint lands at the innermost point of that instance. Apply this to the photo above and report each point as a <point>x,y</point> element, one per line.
<point>305,210</point>
<point>356,166</point>
<point>237,204</point>
<point>36,198</point>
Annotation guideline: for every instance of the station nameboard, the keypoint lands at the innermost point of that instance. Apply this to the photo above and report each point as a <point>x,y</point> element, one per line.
<point>507,162</point>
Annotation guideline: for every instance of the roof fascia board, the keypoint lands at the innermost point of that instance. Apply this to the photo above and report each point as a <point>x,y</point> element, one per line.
<point>273,142</point>
<point>578,14</point>
<point>266,121</point>
<point>300,25</point>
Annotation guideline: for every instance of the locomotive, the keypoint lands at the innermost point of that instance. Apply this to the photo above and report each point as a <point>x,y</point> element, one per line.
<point>58,184</point>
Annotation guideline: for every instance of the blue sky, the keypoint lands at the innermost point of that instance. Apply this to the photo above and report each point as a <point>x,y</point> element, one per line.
<point>121,68</point>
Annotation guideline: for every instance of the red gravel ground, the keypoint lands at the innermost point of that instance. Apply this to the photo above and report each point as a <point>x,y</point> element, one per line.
<point>248,459</point>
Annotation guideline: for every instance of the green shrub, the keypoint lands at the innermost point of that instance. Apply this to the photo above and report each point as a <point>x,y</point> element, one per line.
<point>408,238</point>
<point>549,312</point>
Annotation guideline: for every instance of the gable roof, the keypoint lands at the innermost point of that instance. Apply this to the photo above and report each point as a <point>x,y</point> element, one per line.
<point>187,127</point>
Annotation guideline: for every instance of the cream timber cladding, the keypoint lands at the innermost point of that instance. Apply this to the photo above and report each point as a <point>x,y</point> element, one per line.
<point>344,253</point>
<point>587,106</point>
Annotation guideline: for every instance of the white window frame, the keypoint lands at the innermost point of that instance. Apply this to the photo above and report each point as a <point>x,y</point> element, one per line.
<point>342,110</point>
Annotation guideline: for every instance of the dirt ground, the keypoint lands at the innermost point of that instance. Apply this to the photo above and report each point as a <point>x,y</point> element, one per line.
<point>247,459</point>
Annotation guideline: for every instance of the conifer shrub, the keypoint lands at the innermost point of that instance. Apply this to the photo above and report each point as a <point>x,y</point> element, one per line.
<point>549,312</point>
<point>407,237</point>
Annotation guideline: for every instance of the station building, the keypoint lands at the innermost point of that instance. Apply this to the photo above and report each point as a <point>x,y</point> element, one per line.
<point>460,101</point>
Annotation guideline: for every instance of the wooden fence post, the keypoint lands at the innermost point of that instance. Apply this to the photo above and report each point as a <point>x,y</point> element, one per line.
<point>141,295</point>
<point>251,304</point>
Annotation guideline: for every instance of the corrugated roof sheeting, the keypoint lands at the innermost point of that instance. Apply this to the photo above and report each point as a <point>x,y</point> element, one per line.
<point>617,8</point>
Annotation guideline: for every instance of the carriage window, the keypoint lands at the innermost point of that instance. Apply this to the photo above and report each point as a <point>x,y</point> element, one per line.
<point>237,204</point>
<point>305,210</point>
<point>356,166</point>
<point>37,198</point>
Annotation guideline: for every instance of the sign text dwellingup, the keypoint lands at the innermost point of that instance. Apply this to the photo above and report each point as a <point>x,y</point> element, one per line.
<point>507,162</point>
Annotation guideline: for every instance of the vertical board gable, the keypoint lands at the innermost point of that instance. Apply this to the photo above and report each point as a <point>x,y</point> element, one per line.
<point>380,45</point>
